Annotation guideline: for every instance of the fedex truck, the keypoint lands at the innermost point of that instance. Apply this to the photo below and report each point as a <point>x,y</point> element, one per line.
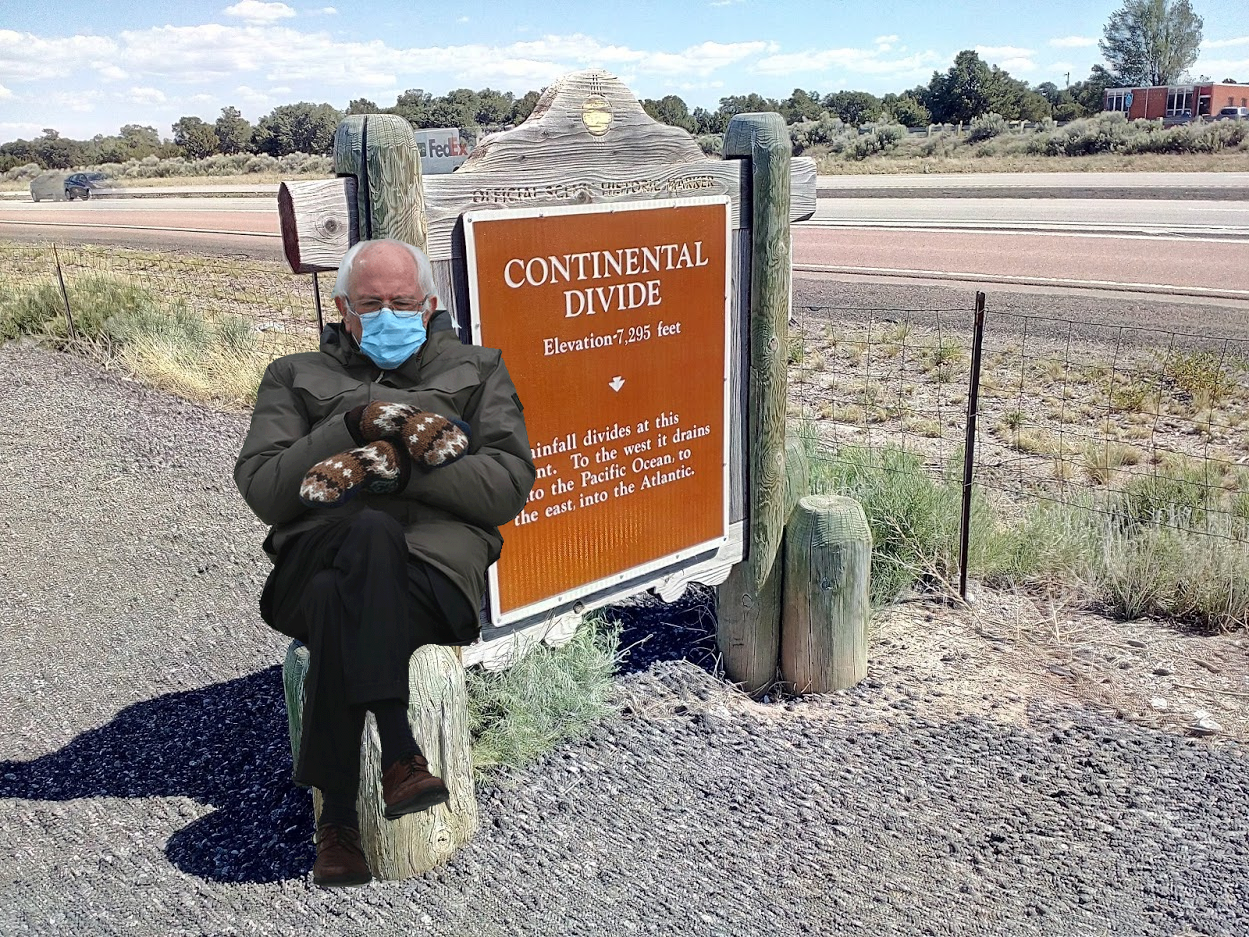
<point>442,149</point>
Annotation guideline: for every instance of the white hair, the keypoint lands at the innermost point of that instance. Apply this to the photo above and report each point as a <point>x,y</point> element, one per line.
<point>424,269</point>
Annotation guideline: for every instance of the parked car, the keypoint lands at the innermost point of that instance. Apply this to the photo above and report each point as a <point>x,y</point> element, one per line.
<point>80,184</point>
<point>1233,113</point>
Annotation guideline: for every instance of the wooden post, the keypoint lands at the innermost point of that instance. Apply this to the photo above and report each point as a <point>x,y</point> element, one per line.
<point>749,611</point>
<point>828,555</point>
<point>379,151</point>
<point>438,711</point>
<point>797,473</point>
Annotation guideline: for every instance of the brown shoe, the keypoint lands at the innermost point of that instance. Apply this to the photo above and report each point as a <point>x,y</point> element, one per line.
<point>340,860</point>
<point>408,787</point>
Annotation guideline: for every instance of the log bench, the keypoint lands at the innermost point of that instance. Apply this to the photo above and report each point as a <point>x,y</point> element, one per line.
<point>438,711</point>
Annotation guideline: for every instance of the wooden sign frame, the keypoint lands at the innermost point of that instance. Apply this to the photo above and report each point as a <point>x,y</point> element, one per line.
<point>722,547</point>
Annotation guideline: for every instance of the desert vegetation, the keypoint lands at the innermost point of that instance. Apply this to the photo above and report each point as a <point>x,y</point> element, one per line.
<point>1116,475</point>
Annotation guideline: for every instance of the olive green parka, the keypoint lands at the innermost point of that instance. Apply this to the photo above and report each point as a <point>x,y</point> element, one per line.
<point>451,515</point>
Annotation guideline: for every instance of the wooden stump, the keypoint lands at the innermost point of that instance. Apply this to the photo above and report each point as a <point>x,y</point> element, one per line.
<point>438,711</point>
<point>828,555</point>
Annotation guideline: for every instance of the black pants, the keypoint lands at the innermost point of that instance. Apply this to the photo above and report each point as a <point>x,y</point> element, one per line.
<point>350,591</point>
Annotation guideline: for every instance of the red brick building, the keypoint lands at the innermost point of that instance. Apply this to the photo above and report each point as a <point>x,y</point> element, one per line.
<point>1176,101</point>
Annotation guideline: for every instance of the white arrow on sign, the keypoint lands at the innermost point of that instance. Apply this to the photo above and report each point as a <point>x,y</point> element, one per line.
<point>616,383</point>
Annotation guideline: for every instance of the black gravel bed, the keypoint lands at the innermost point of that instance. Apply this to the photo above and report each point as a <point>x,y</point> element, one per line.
<point>144,762</point>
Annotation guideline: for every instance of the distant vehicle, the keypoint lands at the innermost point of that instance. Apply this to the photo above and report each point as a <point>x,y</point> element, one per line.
<point>48,185</point>
<point>1233,113</point>
<point>80,184</point>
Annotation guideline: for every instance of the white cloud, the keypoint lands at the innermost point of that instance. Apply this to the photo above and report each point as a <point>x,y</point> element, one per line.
<point>688,86</point>
<point>18,128</point>
<point>328,11</point>
<point>27,57</point>
<point>147,95</point>
<point>885,40</point>
<point>1016,65</point>
<point>725,3</point>
<point>1002,52</point>
<point>463,19</point>
<point>112,72</point>
<point>854,61</point>
<point>5,93</point>
<point>1218,69</point>
<point>80,102</point>
<point>1009,58</point>
<point>1073,42</point>
<point>1226,43</point>
<point>252,96</point>
<point>256,11</point>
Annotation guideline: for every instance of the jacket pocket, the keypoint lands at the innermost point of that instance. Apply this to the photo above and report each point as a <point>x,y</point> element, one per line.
<point>448,393</point>
<point>325,395</point>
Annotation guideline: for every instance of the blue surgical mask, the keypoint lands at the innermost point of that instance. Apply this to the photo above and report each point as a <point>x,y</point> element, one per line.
<point>389,339</point>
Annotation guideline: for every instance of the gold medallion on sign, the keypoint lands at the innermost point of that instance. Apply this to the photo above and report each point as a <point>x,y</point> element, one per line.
<point>596,114</point>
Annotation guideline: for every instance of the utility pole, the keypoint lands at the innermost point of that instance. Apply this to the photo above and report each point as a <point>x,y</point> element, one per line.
<point>1068,79</point>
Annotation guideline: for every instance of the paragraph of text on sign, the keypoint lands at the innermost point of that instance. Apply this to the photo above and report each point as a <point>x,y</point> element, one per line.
<point>586,468</point>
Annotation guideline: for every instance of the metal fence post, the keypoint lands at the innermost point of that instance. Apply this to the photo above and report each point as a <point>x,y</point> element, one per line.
<point>316,292</point>
<point>969,446</point>
<point>69,316</point>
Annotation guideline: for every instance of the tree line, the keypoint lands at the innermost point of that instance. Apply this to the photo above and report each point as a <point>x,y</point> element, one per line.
<point>1146,42</point>
<point>970,88</point>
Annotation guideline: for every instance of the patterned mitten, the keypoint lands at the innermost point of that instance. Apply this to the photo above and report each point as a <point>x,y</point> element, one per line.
<point>379,468</point>
<point>380,420</point>
<point>434,441</point>
<point>431,440</point>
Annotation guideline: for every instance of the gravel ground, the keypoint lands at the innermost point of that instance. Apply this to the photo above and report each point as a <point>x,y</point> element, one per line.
<point>145,787</point>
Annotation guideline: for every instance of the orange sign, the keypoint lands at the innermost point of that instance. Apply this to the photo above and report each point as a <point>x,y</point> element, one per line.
<point>613,323</point>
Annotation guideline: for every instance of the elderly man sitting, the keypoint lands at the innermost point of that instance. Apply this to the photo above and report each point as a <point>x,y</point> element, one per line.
<point>384,463</point>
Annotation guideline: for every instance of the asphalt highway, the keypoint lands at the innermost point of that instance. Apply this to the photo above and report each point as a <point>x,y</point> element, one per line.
<point>1196,247</point>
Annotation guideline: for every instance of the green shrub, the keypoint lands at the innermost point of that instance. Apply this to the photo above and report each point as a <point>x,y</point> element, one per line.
<point>548,696</point>
<point>22,173</point>
<point>1159,550</point>
<point>1199,374</point>
<point>1162,500</point>
<point>30,311</point>
<point>987,127</point>
<point>914,520</point>
<point>881,137</point>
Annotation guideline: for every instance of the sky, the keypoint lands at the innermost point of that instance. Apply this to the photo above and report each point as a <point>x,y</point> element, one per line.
<point>86,67</point>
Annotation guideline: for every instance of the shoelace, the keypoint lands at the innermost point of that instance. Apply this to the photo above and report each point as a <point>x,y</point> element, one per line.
<point>335,835</point>
<point>410,762</point>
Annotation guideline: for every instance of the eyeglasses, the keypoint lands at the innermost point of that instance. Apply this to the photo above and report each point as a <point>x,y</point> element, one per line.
<point>403,308</point>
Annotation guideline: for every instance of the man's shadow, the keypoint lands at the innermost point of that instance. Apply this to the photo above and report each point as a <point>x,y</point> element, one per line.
<point>225,746</point>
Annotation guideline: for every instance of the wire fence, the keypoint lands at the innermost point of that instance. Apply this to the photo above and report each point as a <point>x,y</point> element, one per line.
<point>1145,423</point>
<point>1138,423</point>
<point>96,288</point>
<point>1141,425</point>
